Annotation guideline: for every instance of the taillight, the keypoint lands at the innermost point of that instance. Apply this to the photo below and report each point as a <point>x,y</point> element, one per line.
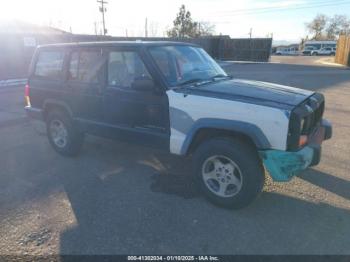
<point>26,95</point>
<point>26,90</point>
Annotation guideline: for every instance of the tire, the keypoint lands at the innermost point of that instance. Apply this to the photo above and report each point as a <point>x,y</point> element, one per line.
<point>243,183</point>
<point>62,134</point>
<point>314,54</point>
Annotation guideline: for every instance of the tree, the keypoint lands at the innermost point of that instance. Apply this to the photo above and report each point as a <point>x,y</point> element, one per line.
<point>323,27</point>
<point>205,29</point>
<point>338,24</point>
<point>317,26</point>
<point>184,26</point>
<point>153,29</point>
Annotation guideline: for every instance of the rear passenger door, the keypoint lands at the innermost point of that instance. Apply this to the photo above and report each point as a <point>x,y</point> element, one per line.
<point>85,84</point>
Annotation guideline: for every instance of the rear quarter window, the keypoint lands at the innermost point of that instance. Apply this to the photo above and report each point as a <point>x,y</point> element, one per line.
<point>49,64</point>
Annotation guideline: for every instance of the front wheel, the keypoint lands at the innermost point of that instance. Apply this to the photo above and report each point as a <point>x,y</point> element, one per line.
<point>229,172</point>
<point>63,135</point>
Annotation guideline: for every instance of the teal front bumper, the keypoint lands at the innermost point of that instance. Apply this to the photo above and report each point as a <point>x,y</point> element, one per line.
<point>283,165</point>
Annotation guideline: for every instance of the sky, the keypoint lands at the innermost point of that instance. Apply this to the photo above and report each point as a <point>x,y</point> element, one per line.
<point>285,18</point>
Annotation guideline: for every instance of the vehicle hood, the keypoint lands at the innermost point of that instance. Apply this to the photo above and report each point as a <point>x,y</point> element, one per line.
<point>254,92</point>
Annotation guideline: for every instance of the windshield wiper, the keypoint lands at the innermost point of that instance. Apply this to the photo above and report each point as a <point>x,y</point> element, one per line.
<point>197,81</point>
<point>191,81</point>
<point>220,76</point>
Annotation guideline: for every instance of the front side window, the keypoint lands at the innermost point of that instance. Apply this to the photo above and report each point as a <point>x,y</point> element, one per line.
<point>49,64</point>
<point>124,68</point>
<point>86,66</point>
<point>180,64</point>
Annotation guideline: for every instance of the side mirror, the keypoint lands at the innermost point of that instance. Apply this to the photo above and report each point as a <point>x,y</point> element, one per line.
<point>143,84</point>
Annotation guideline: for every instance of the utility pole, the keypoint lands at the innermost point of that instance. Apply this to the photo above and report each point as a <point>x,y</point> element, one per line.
<point>95,27</point>
<point>250,43</point>
<point>146,28</point>
<point>103,10</point>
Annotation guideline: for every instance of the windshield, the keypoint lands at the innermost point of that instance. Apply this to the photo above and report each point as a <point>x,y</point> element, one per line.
<point>185,64</point>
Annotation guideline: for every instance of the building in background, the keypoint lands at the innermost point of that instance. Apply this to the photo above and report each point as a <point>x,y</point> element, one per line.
<point>18,41</point>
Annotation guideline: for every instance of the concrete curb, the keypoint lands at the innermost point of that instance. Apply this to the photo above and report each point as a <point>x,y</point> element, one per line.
<point>331,64</point>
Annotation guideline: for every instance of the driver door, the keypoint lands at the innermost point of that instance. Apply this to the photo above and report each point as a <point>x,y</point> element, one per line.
<point>134,112</point>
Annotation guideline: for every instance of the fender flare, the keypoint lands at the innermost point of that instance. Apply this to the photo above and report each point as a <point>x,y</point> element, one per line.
<point>53,102</point>
<point>251,130</point>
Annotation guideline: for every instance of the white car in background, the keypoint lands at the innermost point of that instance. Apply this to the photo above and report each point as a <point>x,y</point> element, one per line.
<point>287,51</point>
<point>324,51</point>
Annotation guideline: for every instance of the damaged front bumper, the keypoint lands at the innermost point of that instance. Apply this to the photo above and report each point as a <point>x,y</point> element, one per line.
<point>283,165</point>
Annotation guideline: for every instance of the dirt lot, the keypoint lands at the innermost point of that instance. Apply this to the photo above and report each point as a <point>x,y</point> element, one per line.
<point>120,199</point>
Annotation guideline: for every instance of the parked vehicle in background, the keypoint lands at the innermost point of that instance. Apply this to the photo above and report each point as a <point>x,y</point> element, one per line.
<point>307,50</point>
<point>310,46</point>
<point>287,51</point>
<point>292,49</point>
<point>175,97</point>
<point>324,51</point>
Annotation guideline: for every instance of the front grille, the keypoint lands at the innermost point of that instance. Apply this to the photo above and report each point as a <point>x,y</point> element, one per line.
<point>315,105</point>
<point>310,113</point>
<point>319,112</point>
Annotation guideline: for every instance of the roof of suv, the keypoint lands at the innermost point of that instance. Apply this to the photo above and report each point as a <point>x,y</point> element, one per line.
<point>118,43</point>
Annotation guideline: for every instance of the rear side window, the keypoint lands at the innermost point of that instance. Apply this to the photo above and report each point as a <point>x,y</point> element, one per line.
<point>86,66</point>
<point>49,64</point>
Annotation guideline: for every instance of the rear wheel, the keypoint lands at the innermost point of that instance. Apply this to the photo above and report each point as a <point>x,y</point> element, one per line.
<point>229,172</point>
<point>63,135</point>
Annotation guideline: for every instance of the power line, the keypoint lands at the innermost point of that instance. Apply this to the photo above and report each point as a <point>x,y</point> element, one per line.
<point>278,8</point>
<point>281,6</point>
<point>274,9</point>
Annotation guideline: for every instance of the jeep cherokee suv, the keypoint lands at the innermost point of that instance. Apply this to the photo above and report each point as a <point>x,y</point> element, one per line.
<point>175,97</point>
